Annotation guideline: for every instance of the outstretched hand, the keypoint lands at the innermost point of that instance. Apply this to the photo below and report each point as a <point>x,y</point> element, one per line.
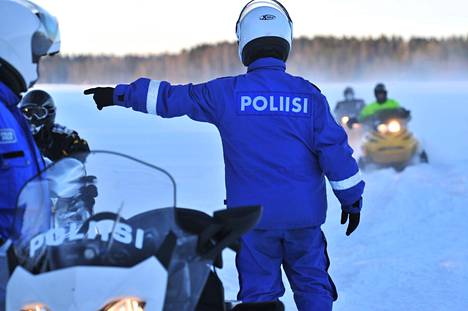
<point>103,96</point>
<point>353,214</point>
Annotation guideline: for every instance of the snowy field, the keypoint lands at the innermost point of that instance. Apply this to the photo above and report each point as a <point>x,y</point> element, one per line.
<point>411,250</point>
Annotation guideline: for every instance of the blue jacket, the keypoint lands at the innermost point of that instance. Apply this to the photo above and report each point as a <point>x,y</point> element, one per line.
<point>20,159</point>
<point>279,139</point>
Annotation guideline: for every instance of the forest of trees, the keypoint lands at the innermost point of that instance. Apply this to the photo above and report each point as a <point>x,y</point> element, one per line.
<point>319,58</point>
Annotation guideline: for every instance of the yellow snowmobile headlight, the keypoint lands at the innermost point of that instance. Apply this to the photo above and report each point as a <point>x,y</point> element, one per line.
<point>345,120</point>
<point>394,126</point>
<point>382,128</point>
<point>35,307</point>
<point>125,304</point>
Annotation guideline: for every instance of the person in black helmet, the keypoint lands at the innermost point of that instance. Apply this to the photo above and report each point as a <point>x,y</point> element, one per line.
<point>382,103</point>
<point>349,108</point>
<point>54,140</point>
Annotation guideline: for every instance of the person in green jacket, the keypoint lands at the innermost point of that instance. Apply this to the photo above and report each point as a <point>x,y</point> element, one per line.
<point>382,103</point>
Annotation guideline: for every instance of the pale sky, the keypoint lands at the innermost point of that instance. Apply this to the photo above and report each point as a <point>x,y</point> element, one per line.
<point>155,26</point>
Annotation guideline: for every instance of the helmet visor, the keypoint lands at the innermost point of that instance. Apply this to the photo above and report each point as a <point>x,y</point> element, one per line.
<point>52,30</point>
<point>252,5</point>
<point>46,40</point>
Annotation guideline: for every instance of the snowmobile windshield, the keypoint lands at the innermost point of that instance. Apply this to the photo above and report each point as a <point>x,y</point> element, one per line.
<point>110,210</point>
<point>384,116</point>
<point>389,121</point>
<point>90,198</point>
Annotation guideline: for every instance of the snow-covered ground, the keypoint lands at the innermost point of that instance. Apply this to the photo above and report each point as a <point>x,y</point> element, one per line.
<point>411,250</point>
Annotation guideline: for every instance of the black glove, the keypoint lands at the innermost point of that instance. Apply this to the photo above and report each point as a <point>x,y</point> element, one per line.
<point>351,122</point>
<point>353,212</point>
<point>103,96</point>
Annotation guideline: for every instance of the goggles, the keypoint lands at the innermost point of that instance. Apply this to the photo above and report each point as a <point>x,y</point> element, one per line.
<point>34,113</point>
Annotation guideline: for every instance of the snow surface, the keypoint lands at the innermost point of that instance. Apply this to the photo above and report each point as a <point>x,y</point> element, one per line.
<point>411,249</point>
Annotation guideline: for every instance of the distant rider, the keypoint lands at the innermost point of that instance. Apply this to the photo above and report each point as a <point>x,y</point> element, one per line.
<point>350,103</point>
<point>382,103</point>
<point>54,140</point>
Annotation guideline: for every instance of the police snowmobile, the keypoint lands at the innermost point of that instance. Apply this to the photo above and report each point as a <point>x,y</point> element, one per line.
<point>106,234</point>
<point>389,143</point>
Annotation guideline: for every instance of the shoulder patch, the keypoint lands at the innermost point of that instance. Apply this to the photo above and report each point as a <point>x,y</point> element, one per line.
<point>7,136</point>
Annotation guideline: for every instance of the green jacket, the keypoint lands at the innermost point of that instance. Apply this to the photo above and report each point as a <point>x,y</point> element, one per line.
<point>373,108</point>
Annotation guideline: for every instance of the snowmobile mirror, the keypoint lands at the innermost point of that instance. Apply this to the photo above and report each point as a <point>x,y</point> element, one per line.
<point>166,250</point>
<point>220,231</point>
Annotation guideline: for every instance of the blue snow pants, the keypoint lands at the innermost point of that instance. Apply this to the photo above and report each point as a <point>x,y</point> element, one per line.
<point>303,254</point>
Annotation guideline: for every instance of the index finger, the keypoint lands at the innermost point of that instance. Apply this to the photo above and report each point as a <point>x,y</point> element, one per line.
<point>90,91</point>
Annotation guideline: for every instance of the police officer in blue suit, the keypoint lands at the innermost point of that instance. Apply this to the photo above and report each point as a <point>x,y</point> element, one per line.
<point>27,33</point>
<point>280,141</point>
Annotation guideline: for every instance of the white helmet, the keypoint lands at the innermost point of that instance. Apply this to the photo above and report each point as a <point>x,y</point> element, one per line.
<point>264,27</point>
<point>27,32</point>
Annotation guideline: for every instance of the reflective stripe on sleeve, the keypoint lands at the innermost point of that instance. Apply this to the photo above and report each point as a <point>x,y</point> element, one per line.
<point>152,96</point>
<point>347,183</point>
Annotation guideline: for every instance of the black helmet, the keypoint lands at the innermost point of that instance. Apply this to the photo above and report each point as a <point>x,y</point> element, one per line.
<point>380,92</point>
<point>379,88</point>
<point>38,108</point>
<point>348,92</point>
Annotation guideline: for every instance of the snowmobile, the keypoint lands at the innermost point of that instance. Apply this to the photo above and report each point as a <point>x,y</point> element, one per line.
<point>346,116</point>
<point>346,113</point>
<point>106,234</point>
<point>389,143</point>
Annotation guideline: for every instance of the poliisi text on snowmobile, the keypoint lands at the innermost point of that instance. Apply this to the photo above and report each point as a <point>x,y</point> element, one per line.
<point>105,234</point>
<point>389,143</point>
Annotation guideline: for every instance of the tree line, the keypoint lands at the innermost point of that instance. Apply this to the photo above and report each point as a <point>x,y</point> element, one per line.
<point>319,58</point>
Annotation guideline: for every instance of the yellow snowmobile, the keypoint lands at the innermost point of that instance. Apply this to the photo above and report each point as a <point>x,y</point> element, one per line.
<point>389,143</point>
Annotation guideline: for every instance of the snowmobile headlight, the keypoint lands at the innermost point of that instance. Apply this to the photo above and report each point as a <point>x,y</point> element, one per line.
<point>345,120</point>
<point>382,128</point>
<point>394,126</point>
<point>125,304</point>
<point>35,307</point>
